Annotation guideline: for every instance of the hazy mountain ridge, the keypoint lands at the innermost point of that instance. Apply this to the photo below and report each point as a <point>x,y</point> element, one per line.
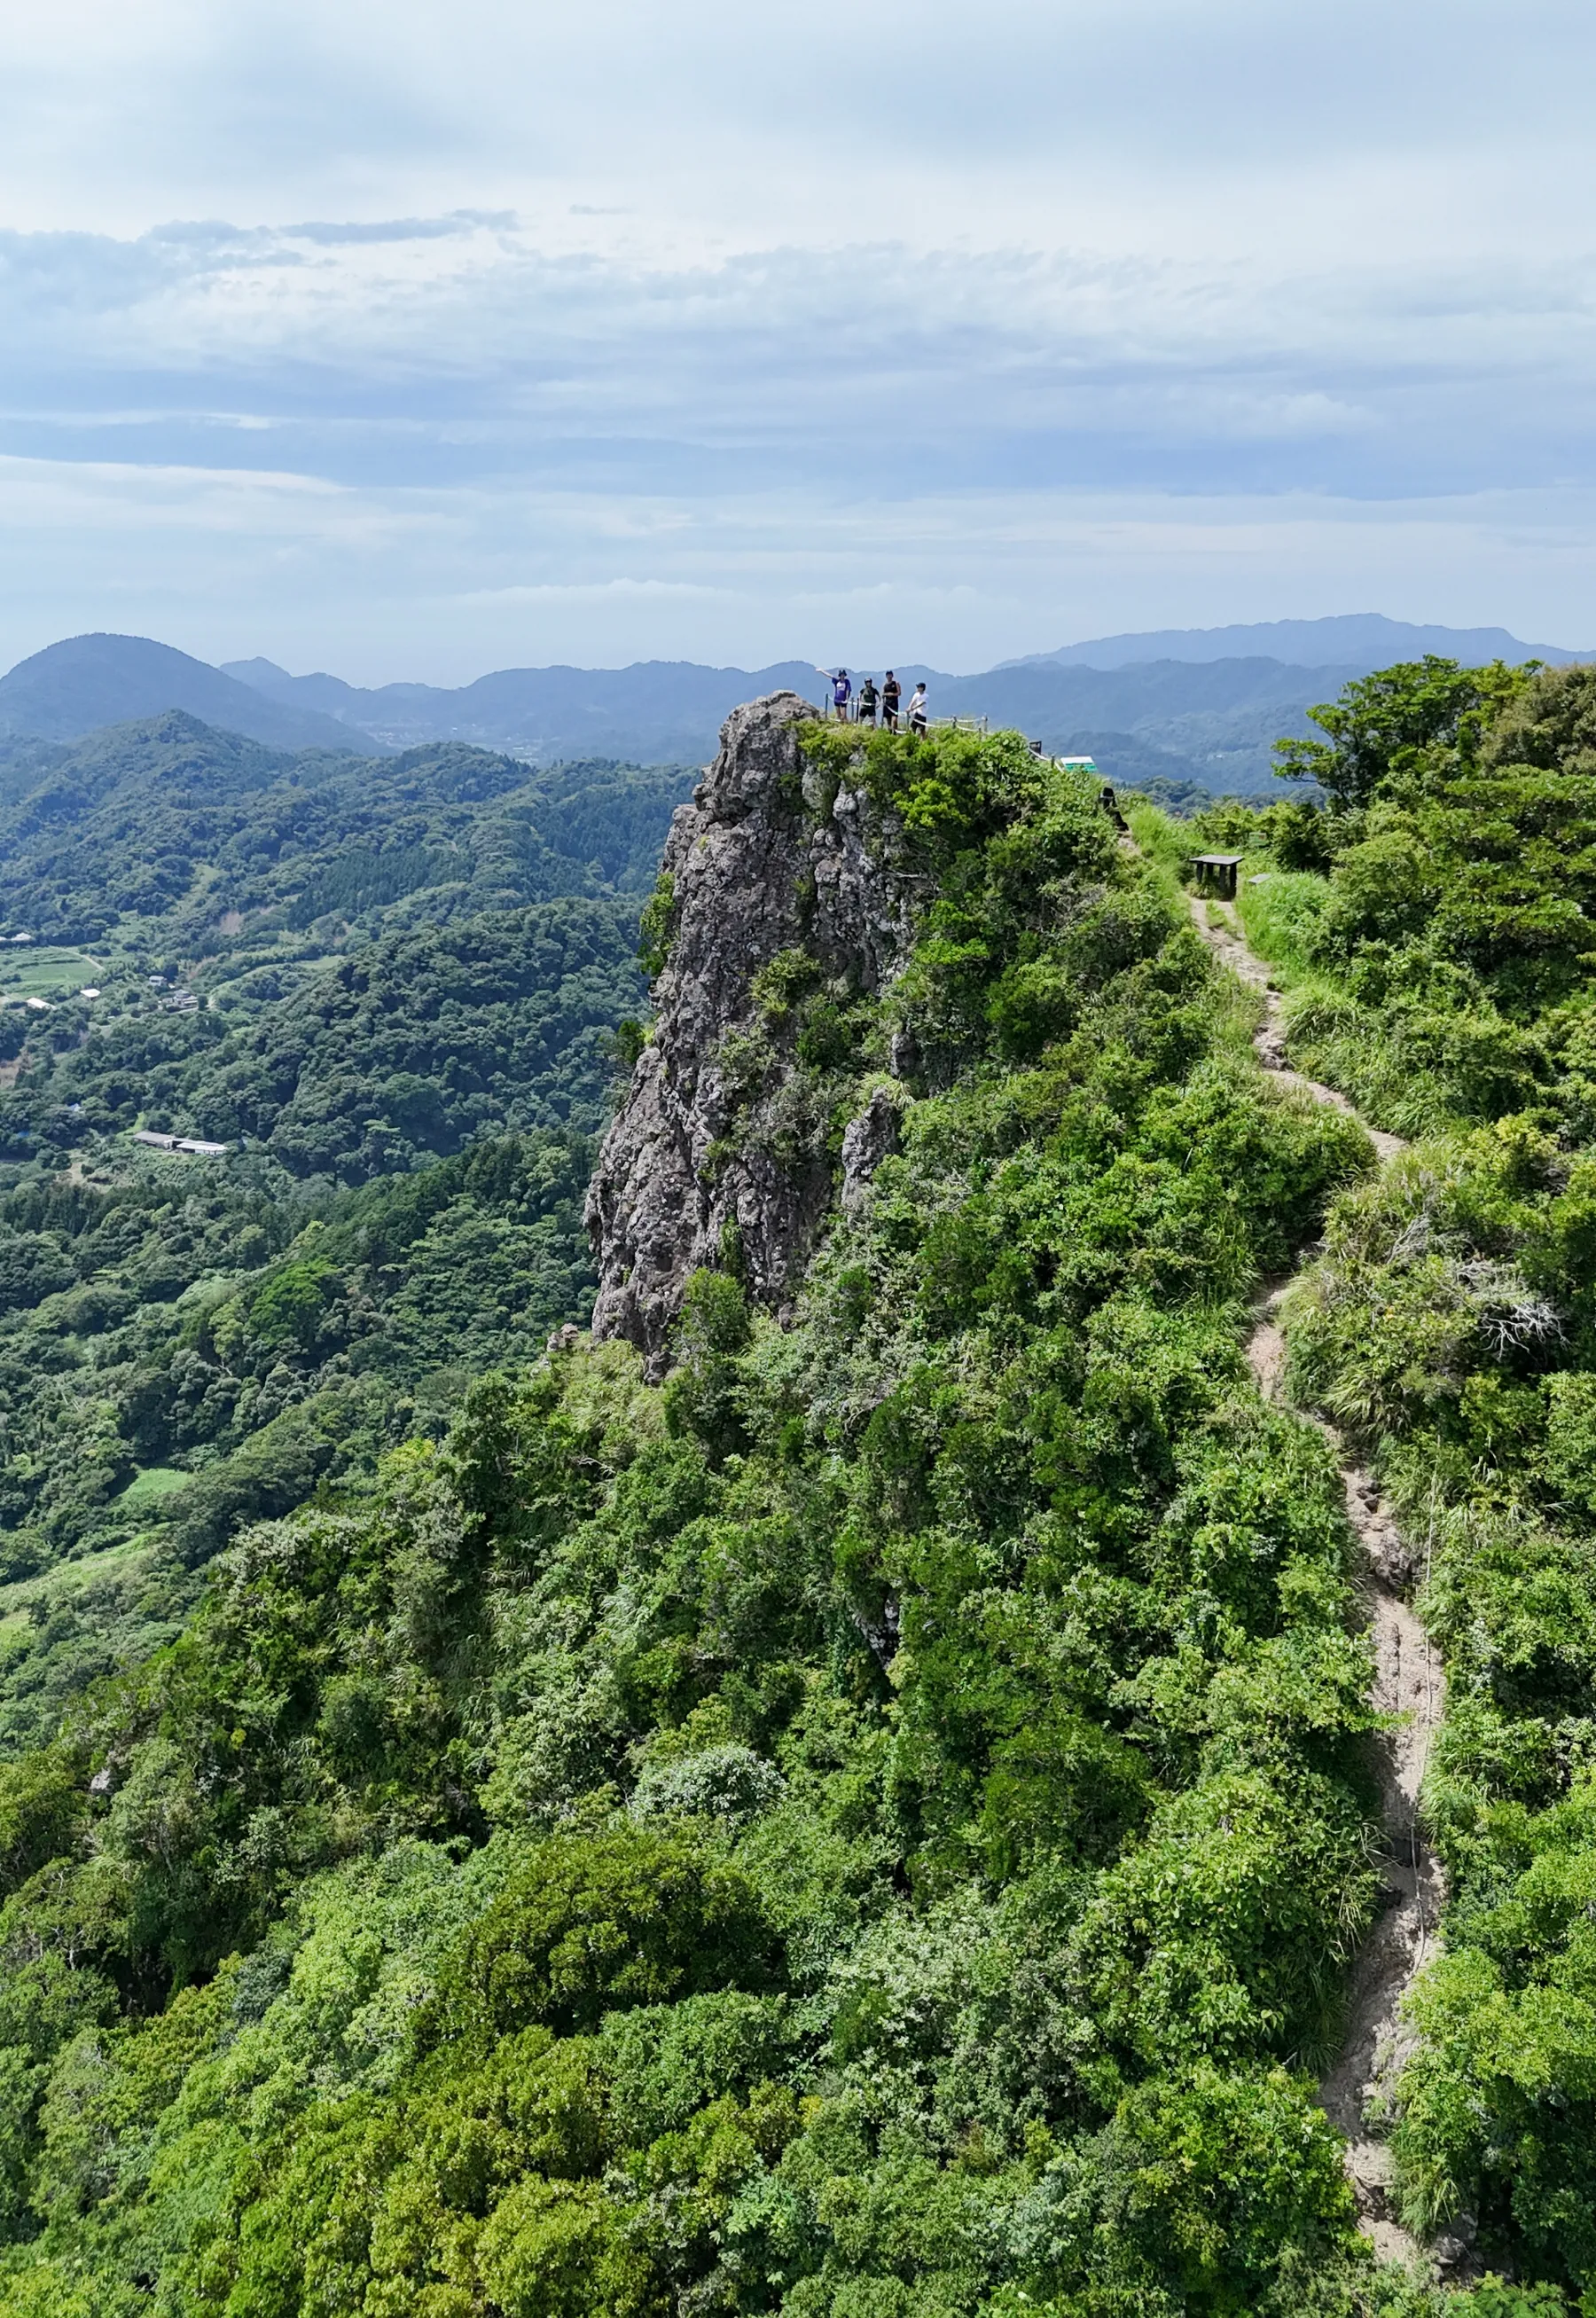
<point>1345,636</point>
<point>1196,706</point>
<point>666,711</point>
<point>84,682</point>
<point>1213,721</point>
<point>677,706</point>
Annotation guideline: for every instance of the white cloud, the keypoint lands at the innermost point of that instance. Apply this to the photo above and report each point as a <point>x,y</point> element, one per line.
<point>718,315</point>
<point>381,583</point>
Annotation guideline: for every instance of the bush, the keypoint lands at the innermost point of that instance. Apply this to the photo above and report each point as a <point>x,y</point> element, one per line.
<point>595,1922</point>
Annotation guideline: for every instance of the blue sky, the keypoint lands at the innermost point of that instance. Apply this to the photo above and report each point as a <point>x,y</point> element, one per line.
<point>414,341</point>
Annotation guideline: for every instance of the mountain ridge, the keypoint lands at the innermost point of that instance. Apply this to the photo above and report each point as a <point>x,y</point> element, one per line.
<point>1201,708</point>
<point>1306,643</point>
<point>1211,724</point>
<point>83,683</point>
<point>882,1779</point>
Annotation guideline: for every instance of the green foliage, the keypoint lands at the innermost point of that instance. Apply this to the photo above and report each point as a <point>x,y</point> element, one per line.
<point>704,1396</point>
<point>872,1830</point>
<point>954,791</point>
<point>1384,725</point>
<point>40,1807</point>
<point>288,1309</point>
<point>1442,972</point>
<point>657,925</point>
<point>389,962</point>
<point>1219,2173</point>
<point>1298,836</point>
<point>590,1924</point>
<point>1494,2298</point>
<point>418,1043</point>
<point>169,822</point>
<point>136,1444</point>
<point>355,963</point>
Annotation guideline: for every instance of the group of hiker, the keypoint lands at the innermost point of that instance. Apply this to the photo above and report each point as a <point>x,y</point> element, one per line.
<point>871,702</point>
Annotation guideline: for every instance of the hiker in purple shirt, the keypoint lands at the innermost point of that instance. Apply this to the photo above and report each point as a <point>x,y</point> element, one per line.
<point>842,691</point>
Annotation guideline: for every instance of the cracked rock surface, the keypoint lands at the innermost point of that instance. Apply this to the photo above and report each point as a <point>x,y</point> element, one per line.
<point>769,857</point>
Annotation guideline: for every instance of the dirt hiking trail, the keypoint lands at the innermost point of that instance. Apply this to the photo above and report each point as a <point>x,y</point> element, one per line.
<point>1409,1685</point>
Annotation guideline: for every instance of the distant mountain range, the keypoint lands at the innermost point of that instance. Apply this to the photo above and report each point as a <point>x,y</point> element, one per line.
<point>1198,705</point>
<point>656,712</point>
<point>1368,638</point>
<point>73,688</point>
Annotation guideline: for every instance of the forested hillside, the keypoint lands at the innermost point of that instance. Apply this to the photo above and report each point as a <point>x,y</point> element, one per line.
<point>402,974</point>
<point>1434,934</point>
<point>877,1825</point>
<point>347,964</point>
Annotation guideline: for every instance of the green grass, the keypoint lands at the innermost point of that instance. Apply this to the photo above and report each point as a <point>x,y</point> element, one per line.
<point>41,972</point>
<point>153,1482</point>
<point>71,1576</point>
<point>1274,910</point>
<point>1166,842</point>
<point>1328,1033</point>
<point>1279,914</point>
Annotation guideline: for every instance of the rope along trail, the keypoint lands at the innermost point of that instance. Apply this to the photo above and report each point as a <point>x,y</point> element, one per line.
<point>1408,1682</point>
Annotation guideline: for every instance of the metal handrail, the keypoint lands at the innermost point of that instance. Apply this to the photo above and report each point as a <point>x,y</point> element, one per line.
<point>981,724</point>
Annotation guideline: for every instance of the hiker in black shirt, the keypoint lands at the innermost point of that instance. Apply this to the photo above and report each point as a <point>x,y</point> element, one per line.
<point>868,697</point>
<point>891,694</point>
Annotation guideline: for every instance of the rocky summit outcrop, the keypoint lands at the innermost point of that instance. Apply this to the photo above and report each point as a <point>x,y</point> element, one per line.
<point>771,857</point>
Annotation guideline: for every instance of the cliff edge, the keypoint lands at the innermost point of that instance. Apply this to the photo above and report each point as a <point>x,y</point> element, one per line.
<point>713,1157</point>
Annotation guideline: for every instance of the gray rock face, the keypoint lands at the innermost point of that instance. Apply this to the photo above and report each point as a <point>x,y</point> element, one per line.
<point>866,1141</point>
<point>768,858</point>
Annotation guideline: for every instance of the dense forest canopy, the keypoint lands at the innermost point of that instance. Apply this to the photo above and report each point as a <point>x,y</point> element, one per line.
<point>351,963</point>
<point>405,975</point>
<point>877,1827</point>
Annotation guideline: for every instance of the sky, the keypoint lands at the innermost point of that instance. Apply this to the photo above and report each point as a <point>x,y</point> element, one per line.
<point>412,340</point>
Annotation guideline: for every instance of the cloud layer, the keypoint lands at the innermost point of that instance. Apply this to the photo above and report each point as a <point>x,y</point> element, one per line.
<point>875,335</point>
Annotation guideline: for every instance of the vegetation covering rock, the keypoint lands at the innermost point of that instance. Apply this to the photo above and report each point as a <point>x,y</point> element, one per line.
<point>783,907</point>
<point>877,1824</point>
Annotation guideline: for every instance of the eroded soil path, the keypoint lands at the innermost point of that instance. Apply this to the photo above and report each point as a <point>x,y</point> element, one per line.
<point>1408,1685</point>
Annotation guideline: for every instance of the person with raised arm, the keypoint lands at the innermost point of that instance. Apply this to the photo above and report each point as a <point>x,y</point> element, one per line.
<point>842,690</point>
